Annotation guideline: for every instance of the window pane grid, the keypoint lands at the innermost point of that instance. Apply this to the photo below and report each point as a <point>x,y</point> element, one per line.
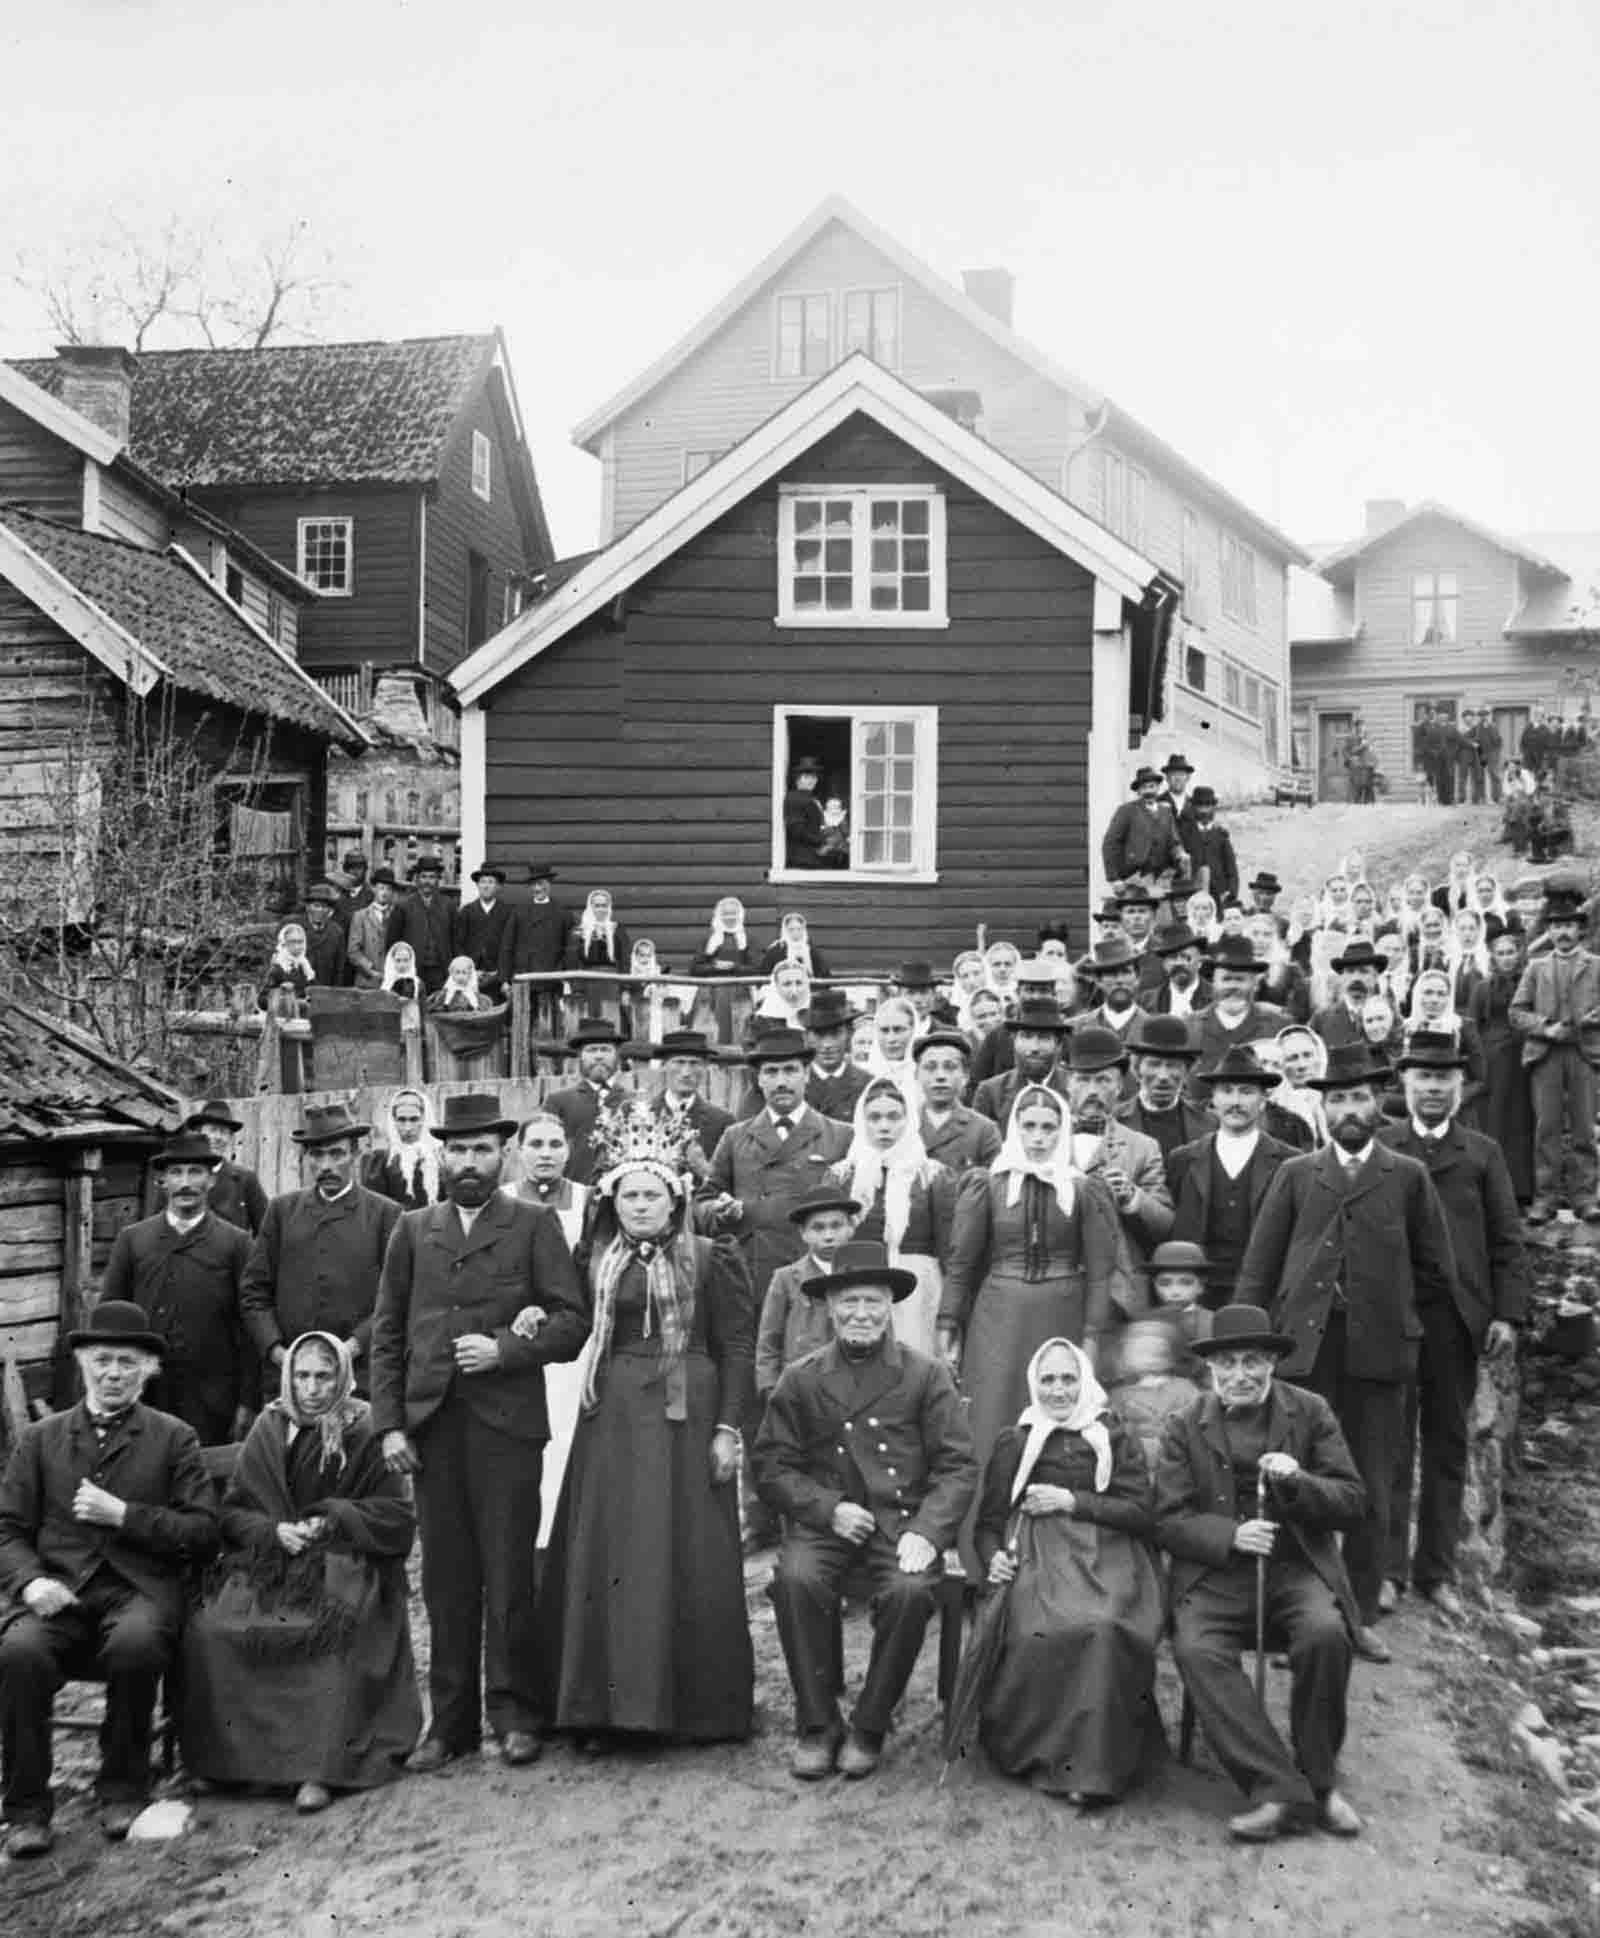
<point>325,553</point>
<point>862,554</point>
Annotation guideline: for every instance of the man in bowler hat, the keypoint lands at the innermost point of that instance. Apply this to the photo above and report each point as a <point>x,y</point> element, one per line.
<point>597,1045</point>
<point>424,919</point>
<point>486,929</point>
<point>1142,836</point>
<point>237,1194</point>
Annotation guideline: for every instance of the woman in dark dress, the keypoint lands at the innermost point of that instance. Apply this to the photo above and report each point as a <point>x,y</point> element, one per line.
<point>407,1169</point>
<point>1063,1516</point>
<point>297,1664</point>
<point>794,944</point>
<point>1506,1109</point>
<point>642,1600</point>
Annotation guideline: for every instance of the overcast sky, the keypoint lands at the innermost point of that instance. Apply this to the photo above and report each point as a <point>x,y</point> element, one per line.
<point>1328,252</point>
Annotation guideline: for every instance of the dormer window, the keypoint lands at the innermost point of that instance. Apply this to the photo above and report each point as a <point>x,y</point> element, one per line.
<point>860,555</point>
<point>482,465</point>
<point>1435,609</point>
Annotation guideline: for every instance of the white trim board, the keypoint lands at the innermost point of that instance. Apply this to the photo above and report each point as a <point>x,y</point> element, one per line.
<point>473,753</point>
<point>60,419</point>
<point>77,615</point>
<point>856,385</point>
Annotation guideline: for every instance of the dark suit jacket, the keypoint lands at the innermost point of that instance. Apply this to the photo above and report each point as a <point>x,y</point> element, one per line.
<point>899,1444</point>
<point>577,1108</point>
<point>1383,1238</point>
<point>834,1096</point>
<point>188,1285</point>
<point>325,951</point>
<point>540,934</point>
<point>1196,1499</point>
<point>966,1139</point>
<point>315,1267</point>
<point>1212,1037</point>
<point>1480,1208</point>
<point>1189,1175</point>
<point>1139,841</point>
<point>995,1097</point>
<point>1337,1027</point>
<point>427,926</point>
<point>238,1196</point>
<point>770,1175</point>
<point>1211,847</point>
<point>489,936</point>
<point>440,1283</point>
<point>151,1461</point>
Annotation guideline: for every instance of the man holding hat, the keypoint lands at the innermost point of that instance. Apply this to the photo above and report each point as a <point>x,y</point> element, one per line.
<point>424,920</point>
<point>486,930</point>
<point>597,1044</point>
<point>325,938</point>
<point>1556,1009</point>
<point>1220,1181</point>
<point>237,1194</point>
<point>685,1056</point>
<point>1142,836</point>
<point>1360,971</point>
<point>184,1270</point>
<point>1162,1054</point>
<point>1036,1039</point>
<point>763,1167</point>
<point>1233,1015</point>
<point>367,938</point>
<point>459,1398</point>
<point>1349,1252</point>
<point>1234,1564</point>
<point>316,1265</point>
<point>1469,1174</point>
<point>952,1135</point>
<point>103,1511</point>
<point>833,1082</point>
<point>866,1452</point>
<point>1209,847</point>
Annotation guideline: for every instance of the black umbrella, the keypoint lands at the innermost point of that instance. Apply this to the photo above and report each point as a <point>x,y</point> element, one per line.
<point>977,1666</point>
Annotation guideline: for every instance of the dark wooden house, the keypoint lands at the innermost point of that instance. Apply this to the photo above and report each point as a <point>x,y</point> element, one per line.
<point>861,580</point>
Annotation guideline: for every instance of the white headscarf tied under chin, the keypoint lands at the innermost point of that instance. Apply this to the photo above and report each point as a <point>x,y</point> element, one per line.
<point>1086,1418</point>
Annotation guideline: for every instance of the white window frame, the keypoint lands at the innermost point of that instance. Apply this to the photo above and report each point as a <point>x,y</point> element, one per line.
<point>1238,577</point>
<point>698,459</point>
<point>1194,598</point>
<point>302,529</point>
<point>802,375</point>
<point>925,810</point>
<point>482,467</point>
<point>860,613</point>
<point>871,290</point>
<point>1428,593</point>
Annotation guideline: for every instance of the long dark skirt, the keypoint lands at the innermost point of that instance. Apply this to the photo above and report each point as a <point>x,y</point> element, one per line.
<point>641,1608</point>
<point>1072,1702</point>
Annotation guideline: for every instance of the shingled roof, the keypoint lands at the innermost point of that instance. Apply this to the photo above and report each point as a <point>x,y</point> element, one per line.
<point>181,619</point>
<point>58,1083</point>
<point>301,414</point>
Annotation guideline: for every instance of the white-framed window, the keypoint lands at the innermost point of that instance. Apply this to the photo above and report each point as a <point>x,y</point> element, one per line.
<point>694,462</point>
<point>482,467</point>
<point>804,335</point>
<point>861,555</point>
<point>327,555</point>
<point>877,795</point>
<point>872,324</point>
<point>1238,566</point>
<point>1194,600</point>
<point>1119,494</point>
<point>1435,609</point>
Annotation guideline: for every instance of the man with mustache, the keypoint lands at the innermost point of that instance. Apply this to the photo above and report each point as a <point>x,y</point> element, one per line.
<point>1163,1053</point>
<point>1220,1181</point>
<point>1183,989</point>
<point>1036,1039</point>
<point>1234,1015</point>
<point>1360,971</point>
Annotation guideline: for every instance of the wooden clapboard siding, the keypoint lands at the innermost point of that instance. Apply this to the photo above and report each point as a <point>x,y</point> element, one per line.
<point>133,515</point>
<point>638,754</point>
<point>39,469</point>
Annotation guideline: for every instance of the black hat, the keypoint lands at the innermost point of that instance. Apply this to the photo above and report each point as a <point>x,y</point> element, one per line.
<point>1265,879</point>
<point>1239,1064</point>
<point>807,764</point>
<point>1054,932</point>
<point>1090,1048</point>
<point>354,858</point>
<point>1359,954</point>
<point>1040,1013</point>
<point>779,1046</point>
<point>323,892</point>
<point>1168,942</point>
<point>1145,774</point>
<point>326,1124</point>
<point>1350,1064</point>
<point>1431,1050</point>
<point>1108,912</point>
<point>914,975</point>
<point>941,1040</point>
<point>830,1010</point>
<point>1236,952</point>
<point>1162,1036</point>
<point>471,1112</point>
<point>427,865</point>
<point>213,1111</point>
<point>593,1029</point>
<point>383,874</point>
<point>185,1149</point>
<point>1177,764</point>
<point>1203,796</point>
<point>1563,904</point>
<point>823,1201</point>
<point>682,1043</point>
<point>862,1263</point>
<point>541,871</point>
<point>1117,953</point>
<point>1179,890</point>
<point>1235,1328</point>
<point>1136,896</point>
<point>501,873</point>
<point>117,1322</point>
<point>1178,1255</point>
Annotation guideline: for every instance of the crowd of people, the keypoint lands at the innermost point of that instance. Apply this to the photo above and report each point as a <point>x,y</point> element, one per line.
<point>1146,1286</point>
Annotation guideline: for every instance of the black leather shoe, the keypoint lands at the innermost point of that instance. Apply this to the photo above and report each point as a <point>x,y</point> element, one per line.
<point>116,1819</point>
<point>30,1840</point>
<point>429,1757</point>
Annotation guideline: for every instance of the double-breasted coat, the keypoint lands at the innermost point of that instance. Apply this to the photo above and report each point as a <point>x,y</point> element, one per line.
<point>1470,1175</point>
<point>769,1175</point>
<point>315,1267</point>
<point>1140,839</point>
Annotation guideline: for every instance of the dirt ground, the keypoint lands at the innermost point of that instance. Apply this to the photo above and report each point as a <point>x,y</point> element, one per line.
<point>722,1843</point>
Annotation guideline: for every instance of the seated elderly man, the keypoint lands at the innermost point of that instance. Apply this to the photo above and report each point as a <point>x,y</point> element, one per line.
<point>1250,1433</point>
<point>866,1452</point>
<point>102,1509</point>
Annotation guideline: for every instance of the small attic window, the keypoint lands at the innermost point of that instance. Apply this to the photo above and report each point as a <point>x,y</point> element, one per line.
<point>482,466</point>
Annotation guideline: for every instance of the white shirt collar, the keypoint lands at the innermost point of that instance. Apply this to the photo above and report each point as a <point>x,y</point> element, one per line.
<point>1353,1160</point>
<point>794,1116</point>
<point>1431,1136</point>
<point>323,1199</point>
<point>1119,1021</point>
<point>468,1215</point>
<point>1236,1148</point>
<point>182,1225</point>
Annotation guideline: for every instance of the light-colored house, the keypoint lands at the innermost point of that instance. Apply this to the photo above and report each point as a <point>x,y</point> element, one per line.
<point>837,285</point>
<point>1430,606</point>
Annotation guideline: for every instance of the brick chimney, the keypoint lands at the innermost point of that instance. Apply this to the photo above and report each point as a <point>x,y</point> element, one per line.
<point>992,290</point>
<point>97,382</point>
<point>1383,514</point>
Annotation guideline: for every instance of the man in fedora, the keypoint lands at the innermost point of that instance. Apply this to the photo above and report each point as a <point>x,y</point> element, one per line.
<point>1220,1181</point>
<point>1163,1053</point>
<point>1556,1010</point>
<point>1469,1173</point>
<point>1349,1251</point>
<point>486,929</point>
<point>325,937</point>
<point>459,1398</point>
<point>1214,1455</point>
<point>763,1167</point>
<point>316,1263</point>
<point>1176,774</point>
<point>424,920</point>
<point>1265,888</point>
<point>1360,970</point>
<point>104,1510</point>
<point>597,1045</point>
<point>1180,956</point>
<point>833,1082</point>
<point>803,824</point>
<point>1234,1016</point>
<point>184,1270</point>
<point>1116,968</point>
<point>866,1452</point>
<point>685,1056</point>
<point>367,938</point>
<point>1209,847</point>
<point>953,1135</point>
<point>1127,1162</point>
<point>1142,836</point>
<point>1038,980</point>
<point>1036,1038</point>
<point>237,1194</point>
<point>914,980</point>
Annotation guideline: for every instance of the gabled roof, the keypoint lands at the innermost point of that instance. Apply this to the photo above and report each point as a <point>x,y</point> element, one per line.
<point>301,414</point>
<point>154,615</point>
<point>856,385</point>
<point>57,1084</point>
<point>835,208</point>
<point>1341,562</point>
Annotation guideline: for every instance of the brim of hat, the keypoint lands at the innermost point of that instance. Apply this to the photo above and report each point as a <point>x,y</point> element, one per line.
<point>1262,1079</point>
<point>664,1052</point>
<point>217,1123</point>
<point>844,1202</point>
<point>900,1284</point>
<point>1099,1063</point>
<point>147,1342</point>
<point>310,1139</point>
<point>1251,968</point>
<point>160,1161</point>
<point>1380,1073</point>
<point>1267,1342</point>
<point>591,1043</point>
<point>1426,1062</point>
<point>756,1054</point>
<point>505,1126</point>
<point>1188,1052</point>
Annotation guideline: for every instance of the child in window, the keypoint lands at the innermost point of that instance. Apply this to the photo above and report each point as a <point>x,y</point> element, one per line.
<point>793,1325</point>
<point>833,851</point>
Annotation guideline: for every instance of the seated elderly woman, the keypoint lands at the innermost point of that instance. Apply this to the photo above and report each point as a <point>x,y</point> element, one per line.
<point>1063,1516</point>
<point>460,991</point>
<point>297,1664</point>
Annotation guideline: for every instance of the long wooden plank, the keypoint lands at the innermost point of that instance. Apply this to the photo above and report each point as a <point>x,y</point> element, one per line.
<point>26,1299</point>
<point>29,1184</point>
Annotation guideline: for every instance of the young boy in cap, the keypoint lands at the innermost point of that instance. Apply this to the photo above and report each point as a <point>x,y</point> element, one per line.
<point>792,1323</point>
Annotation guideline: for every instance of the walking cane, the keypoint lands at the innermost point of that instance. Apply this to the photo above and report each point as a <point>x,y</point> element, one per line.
<point>1261,1592</point>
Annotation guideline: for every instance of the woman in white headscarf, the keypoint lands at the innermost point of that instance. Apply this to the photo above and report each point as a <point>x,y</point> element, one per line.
<point>723,1014</point>
<point>894,1028</point>
<point>907,1201</point>
<point>597,941</point>
<point>1299,1120</point>
<point>794,944</point>
<point>407,1169</point>
<point>1432,1008</point>
<point>1064,1516</point>
<point>289,970</point>
<point>786,997</point>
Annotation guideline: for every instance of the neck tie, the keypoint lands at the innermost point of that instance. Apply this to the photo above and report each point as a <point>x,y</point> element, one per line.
<point>783,1125</point>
